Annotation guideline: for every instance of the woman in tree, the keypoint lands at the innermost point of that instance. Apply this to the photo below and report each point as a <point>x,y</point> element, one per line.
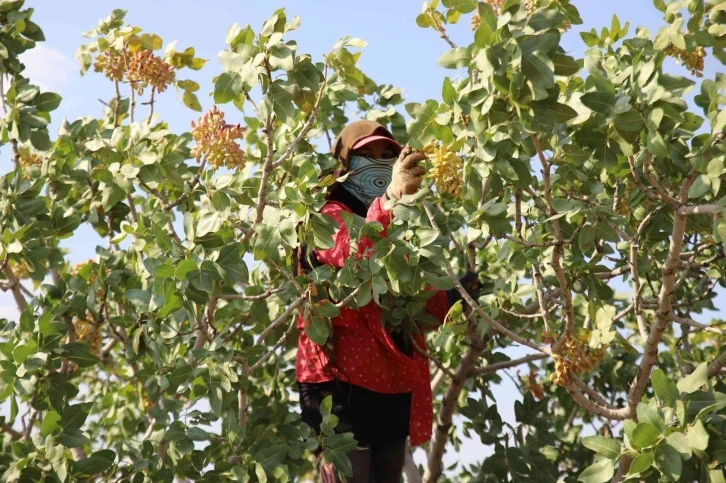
<point>380,387</point>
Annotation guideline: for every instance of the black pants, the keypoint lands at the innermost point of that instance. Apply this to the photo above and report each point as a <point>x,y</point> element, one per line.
<point>380,463</point>
<point>379,422</point>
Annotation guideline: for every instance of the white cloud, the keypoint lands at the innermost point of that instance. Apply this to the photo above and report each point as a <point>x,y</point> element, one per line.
<point>47,67</point>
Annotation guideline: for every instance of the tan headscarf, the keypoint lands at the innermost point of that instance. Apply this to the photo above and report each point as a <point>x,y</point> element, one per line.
<point>354,132</point>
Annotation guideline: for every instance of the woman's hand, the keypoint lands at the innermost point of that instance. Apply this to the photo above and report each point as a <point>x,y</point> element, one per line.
<point>407,175</point>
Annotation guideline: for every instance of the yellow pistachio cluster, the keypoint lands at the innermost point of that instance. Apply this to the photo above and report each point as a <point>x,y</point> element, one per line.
<point>20,270</point>
<point>111,63</point>
<point>575,358</point>
<point>29,159</point>
<point>146,69</point>
<point>89,332</point>
<point>694,61</point>
<point>446,169</point>
<point>217,141</point>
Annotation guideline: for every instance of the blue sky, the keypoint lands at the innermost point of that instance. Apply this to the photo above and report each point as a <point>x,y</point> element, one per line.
<point>398,53</point>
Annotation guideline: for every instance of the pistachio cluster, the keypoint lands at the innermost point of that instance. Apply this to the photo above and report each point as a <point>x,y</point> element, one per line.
<point>693,61</point>
<point>446,170</point>
<point>111,63</point>
<point>146,69</point>
<point>575,358</point>
<point>29,159</point>
<point>217,140</point>
<point>88,331</point>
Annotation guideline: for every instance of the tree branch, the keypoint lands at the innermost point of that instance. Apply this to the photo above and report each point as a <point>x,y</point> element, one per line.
<point>491,368</point>
<point>14,285</point>
<point>280,320</point>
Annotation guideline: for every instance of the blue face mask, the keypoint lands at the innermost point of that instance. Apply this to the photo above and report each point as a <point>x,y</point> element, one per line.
<point>369,178</point>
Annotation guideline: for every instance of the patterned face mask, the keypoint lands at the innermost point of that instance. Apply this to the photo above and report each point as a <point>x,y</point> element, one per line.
<point>369,177</point>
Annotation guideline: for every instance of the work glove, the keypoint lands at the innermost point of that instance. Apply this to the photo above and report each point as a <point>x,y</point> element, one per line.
<point>407,176</point>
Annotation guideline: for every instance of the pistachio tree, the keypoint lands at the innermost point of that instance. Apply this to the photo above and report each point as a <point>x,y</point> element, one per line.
<point>584,192</point>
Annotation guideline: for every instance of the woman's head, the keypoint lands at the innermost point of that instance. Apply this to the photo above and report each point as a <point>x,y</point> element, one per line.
<point>367,152</point>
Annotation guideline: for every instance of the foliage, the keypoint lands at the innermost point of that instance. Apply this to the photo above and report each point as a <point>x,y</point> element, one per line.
<point>170,353</point>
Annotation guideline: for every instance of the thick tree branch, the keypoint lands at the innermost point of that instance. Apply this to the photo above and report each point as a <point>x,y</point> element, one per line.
<point>14,286</point>
<point>697,325</point>
<point>449,404</point>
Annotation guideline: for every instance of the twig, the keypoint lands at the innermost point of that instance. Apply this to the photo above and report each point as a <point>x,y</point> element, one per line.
<point>274,348</point>
<point>697,325</point>
<point>557,252</point>
<point>242,399</point>
<point>116,105</point>
<point>635,279</point>
<point>192,185</point>
<point>491,368</point>
<point>662,193</point>
<point>266,294</point>
<point>308,124</point>
<point>433,359</point>
<point>151,103</point>
<point>440,28</point>
<point>476,307</point>
<point>280,320</point>
<point>204,322</point>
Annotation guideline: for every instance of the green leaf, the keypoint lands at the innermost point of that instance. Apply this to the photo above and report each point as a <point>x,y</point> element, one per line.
<point>227,87</point>
<point>74,416</point>
<point>140,298</point>
<point>668,461</point>
<point>318,330</point>
<point>600,101</point>
<point>645,435</point>
<point>599,472</point>
<point>606,447</point>
<point>695,380</point>
<point>539,69</point>
<point>22,351</point>
<point>697,436</point>
<point>665,389</point>
<point>629,121</point>
<point>484,35</point>
<point>679,442</point>
<point>78,352</point>
<point>40,140</point>
<point>700,186</point>
<point>339,459</point>
<point>209,223</point>
<point>649,414</point>
<point>641,463</point>
<point>457,58</point>
<point>323,230</point>
<point>47,101</point>
<point>50,423</point>
<point>184,268</point>
<point>462,6</point>
<point>565,65</point>
<point>586,239</point>
<point>191,101</point>
<point>97,463</point>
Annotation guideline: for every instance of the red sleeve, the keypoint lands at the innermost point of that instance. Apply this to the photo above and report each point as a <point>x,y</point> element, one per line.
<point>339,253</point>
<point>438,306</point>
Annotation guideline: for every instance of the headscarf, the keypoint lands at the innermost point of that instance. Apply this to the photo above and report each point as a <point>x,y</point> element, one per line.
<point>369,177</point>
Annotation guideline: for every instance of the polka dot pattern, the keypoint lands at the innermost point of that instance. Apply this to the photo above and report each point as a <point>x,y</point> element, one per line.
<point>365,353</point>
